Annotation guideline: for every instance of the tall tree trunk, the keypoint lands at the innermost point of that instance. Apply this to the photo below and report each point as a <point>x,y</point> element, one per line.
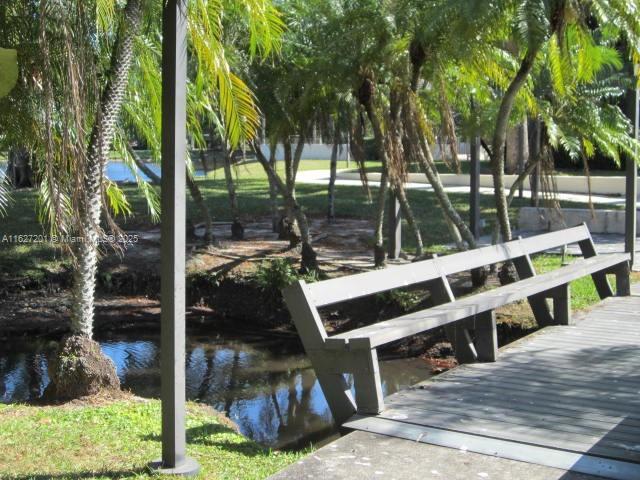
<point>401,194</point>
<point>396,183</point>
<point>273,189</point>
<point>417,145</point>
<point>419,149</point>
<point>333,170</point>
<point>308,255</point>
<point>499,138</point>
<point>379,254</point>
<point>237,230</point>
<point>198,199</point>
<point>19,172</point>
<point>86,251</point>
<point>80,368</point>
<point>535,148</point>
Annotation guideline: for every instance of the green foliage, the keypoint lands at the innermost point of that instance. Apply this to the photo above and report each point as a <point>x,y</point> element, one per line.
<point>405,301</point>
<point>274,275</point>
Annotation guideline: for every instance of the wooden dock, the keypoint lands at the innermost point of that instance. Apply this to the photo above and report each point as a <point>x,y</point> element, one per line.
<point>567,397</point>
<point>565,400</point>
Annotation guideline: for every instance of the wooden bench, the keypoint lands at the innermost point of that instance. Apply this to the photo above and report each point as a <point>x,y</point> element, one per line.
<point>469,322</point>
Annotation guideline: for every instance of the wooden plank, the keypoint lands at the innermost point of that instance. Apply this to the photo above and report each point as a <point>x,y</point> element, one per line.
<point>539,390</point>
<point>462,391</point>
<point>520,375</point>
<point>507,401</point>
<point>354,286</point>
<point>511,413</point>
<point>559,427</point>
<point>548,241</point>
<point>561,459</point>
<point>368,283</point>
<point>595,444</point>
<point>479,257</point>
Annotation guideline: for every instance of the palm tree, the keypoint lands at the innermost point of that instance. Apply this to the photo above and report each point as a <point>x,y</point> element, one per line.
<point>77,138</point>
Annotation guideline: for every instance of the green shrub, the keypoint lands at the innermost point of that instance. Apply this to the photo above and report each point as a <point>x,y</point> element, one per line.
<point>274,275</point>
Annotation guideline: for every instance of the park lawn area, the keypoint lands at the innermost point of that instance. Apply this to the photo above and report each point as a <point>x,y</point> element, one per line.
<point>118,439</point>
<point>33,260</point>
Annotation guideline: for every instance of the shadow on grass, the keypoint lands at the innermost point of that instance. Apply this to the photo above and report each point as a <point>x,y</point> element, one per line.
<point>203,436</point>
<point>112,474</point>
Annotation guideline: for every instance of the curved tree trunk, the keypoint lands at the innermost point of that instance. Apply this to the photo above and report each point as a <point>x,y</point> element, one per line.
<point>499,138</point>
<point>309,257</point>
<point>86,251</point>
<point>419,149</point>
<point>379,254</point>
<point>144,168</point>
<point>396,183</point>
<point>80,367</point>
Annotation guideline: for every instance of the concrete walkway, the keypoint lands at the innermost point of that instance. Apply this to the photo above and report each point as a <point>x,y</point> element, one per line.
<point>321,177</point>
<point>365,456</point>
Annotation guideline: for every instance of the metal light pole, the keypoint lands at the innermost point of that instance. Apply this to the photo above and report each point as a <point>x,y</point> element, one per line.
<point>174,148</point>
<point>631,187</point>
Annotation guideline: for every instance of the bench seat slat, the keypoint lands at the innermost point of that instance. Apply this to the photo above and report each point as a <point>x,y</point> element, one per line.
<point>390,330</point>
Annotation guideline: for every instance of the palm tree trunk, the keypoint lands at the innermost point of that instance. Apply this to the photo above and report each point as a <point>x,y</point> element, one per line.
<point>499,138</point>
<point>309,256</point>
<point>396,183</point>
<point>237,230</point>
<point>86,251</point>
<point>417,145</point>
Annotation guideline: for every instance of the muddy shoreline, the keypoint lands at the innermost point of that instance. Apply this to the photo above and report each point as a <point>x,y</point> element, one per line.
<point>224,296</point>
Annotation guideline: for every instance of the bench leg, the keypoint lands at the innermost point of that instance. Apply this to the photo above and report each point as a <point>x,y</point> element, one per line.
<point>602,285</point>
<point>623,282</point>
<point>540,310</point>
<point>562,305</point>
<point>461,342</point>
<point>486,333</point>
<point>337,392</point>
<point>366,376</point>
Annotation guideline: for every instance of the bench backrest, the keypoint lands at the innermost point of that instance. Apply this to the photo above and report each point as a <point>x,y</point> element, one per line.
<point>351,287</point>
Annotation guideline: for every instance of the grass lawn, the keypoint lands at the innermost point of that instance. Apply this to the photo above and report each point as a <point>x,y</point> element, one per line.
<point>117,440</point>
<point>583,291</point>
<point>31,259</point>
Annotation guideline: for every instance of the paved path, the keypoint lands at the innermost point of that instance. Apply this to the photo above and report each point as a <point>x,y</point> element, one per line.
<point>321,177</point>
<point>563,399</point>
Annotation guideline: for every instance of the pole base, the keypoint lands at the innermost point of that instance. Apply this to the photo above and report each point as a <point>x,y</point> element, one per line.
<point>188,468</point>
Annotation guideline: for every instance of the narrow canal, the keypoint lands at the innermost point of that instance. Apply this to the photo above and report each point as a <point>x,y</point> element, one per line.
<point>273,396</point>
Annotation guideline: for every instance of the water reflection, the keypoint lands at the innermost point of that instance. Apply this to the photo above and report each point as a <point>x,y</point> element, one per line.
<point>273,397</point>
